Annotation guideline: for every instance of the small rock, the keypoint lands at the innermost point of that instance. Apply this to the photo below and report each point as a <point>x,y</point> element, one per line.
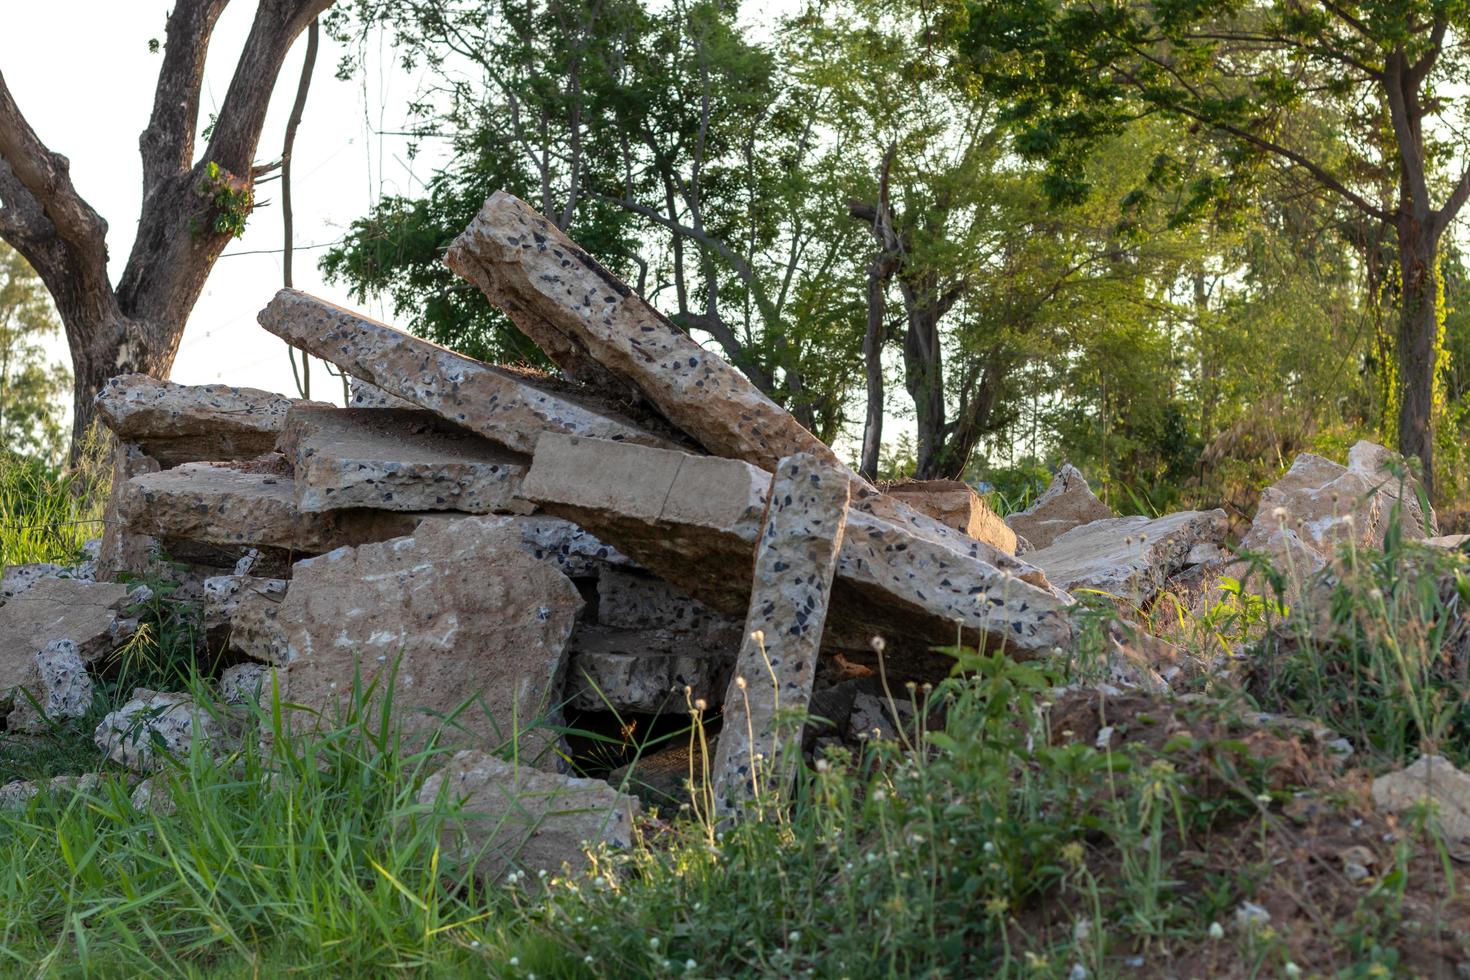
<point>1068,503</point>
<point>1249,915</point>
<point>244,683</point>
<point>65,689</point>
<point>154,726</point>
<point>1435,780</point>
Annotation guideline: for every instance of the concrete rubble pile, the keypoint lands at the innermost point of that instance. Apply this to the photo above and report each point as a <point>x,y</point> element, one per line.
<point>508,553</point>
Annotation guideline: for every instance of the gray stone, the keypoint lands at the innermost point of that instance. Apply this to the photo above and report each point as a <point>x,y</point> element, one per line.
<point>17,795</point>
<point>645,670</point>
<point>572,549</point>
<point>153,727</point>
<point>759,749</point>
<point>253,630</point>
<point>397,459</point>
<point>88,614</point>
<point>495,402</point>
<point>1320,506</point>
<point>1448,541</point>
<point>872,718</point>
<point>694,520</point>
<point>153,795</point>
<point>635,601</point>
<point>223,595</point>
<point>233,506</point>
<point>510,818</point>
<point>63,689</point>
<point>176,423</point>
<point>17,578</point>
<point>1068,503</point>
<point>1432,780</point>
<point>245,683</point>
<point>1128,558</point>
<point>470,628</point>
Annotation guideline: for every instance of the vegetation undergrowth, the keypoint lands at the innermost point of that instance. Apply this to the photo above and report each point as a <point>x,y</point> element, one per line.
<point>46,514</point>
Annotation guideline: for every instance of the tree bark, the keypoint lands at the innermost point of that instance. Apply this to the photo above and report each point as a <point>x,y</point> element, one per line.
<point>1418,344</point>
<point>182,229</point>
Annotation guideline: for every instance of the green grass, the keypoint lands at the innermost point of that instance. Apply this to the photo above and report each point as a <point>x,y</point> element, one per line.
<point>46,516</point>
<point>1003,844</point>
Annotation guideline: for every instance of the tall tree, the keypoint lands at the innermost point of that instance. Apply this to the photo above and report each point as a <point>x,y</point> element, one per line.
<point>1239,72</point>
<point>192,206</point>
<point>30,411</point>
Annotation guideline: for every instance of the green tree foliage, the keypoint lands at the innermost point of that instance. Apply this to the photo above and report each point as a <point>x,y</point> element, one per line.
<point>31,389</point>
<point>1256,81</point>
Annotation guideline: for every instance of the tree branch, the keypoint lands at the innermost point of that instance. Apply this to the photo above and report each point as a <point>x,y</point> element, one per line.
<point>1411,155</point>
<point>46,178</point>
<point>1453,204</point>
<point>167,145</point>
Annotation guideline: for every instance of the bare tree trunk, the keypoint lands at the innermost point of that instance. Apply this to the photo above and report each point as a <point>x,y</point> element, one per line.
<point>192,207</point>
<point>873,368</point>
<point>1418,345</point>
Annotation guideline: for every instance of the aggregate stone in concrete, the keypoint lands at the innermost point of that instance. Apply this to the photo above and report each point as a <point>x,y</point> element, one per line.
<point>795,561</point>
<point>397,459</point>
<point>154,726</point>
<point>62,689</point>
<point>646,670</point>
<point>88,614</point>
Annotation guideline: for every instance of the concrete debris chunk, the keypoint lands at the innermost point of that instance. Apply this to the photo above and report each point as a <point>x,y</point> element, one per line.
<point>646,670</point>
<point>694,520</point>
<point>246,683</point>
<point>89,615</point>
<point>17,578</point>
<point>1431,780</point>
<point>634,601</point>
<point>1129,558</point>
<point>361,394</point>
<point>1320,506</point>
<point>63,689</point>
<point>512,819</point>
<point>176,423</point>
<point>759,749</point>
<point>955,504</point>
<point>570,548</point>
<point>124,551</point>
<point>153,727</point>
<point>497,403</point>
<point>469,628</point>
<point>397,459</point>
<point>234,506</point>
<point>224,594</point>
<point>17,795</point>
<point>1448,541</point>
<point>1068,503</point>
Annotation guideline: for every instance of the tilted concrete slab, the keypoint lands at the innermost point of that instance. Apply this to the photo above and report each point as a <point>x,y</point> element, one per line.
<point>497,403</point>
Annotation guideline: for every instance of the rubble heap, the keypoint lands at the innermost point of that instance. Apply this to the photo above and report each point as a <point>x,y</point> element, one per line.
<point>504,551</point>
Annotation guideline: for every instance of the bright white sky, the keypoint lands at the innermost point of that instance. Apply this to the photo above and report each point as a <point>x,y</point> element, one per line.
<point>92,109</point>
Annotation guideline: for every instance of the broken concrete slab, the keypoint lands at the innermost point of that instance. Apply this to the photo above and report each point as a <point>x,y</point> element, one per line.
<point>17,795</point>
<point>632,600</point>
<point>153,727</point>
<point>17,578</point>
<point>1448,541</point>
<point>955,504</point>
<point>88,614</point>
<point>595,326</point>
<point>646,670</point>
<point>176,423</point>
<point>694,520</point>
<point>397,459</point>
<point>224,594</point>
<point>1129,558</point>
<point>796,559</point>
<point>1320,506</point>
<point>62,689</point>
<point>1069,502</point>
<point>246,683</point>
<point>469,627</point>
<point>1431,780</point>
<point>231,505</point>
<point>510,818</point>
<point>361,394</point>
<point>497,403</point>
<point>574,550</point>
<point>123,551</point>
